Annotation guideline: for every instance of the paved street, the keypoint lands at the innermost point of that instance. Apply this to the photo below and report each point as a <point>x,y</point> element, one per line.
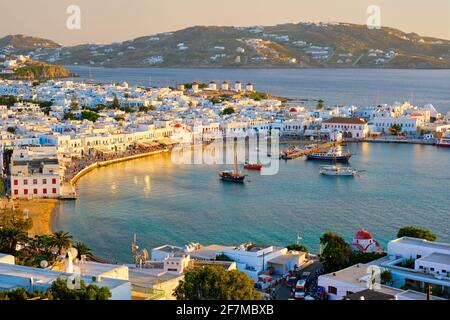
<point>284,293</point>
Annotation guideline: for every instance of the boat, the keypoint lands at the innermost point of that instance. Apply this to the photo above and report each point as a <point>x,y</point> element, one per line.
<point>233,176</point>
<point>444,142</point>
<point>253,166</point>
<point>338,171</point>
<point>286,154</point>
<point>333,155</point>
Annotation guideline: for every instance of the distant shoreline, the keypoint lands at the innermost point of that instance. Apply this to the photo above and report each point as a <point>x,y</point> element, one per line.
<point>248,68</point>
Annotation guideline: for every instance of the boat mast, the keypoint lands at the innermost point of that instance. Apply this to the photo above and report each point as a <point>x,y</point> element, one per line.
<point>235,157</point>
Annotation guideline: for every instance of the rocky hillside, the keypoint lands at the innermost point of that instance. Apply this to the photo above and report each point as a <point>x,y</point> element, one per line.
<point>289,45</point>
<point>40,71</point>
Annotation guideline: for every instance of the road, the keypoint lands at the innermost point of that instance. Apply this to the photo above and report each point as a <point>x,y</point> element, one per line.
<point>284,293</point>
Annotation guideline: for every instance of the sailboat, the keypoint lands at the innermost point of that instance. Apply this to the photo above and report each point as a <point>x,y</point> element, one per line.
<point>234,175</point>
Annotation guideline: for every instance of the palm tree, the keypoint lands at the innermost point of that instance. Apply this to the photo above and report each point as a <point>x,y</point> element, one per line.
<point>42,244</point>
<point>62,241</point>
<point>10,237</point>
<point>83,250</point>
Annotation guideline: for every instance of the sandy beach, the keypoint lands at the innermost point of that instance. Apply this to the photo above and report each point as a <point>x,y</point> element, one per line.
<point>40,211</point>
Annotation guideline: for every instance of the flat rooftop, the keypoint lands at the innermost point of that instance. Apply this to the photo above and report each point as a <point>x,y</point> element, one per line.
<point>210,252</point>
<point>169,249</point>
<point>46,276</point>
<point>150,277</point>
<point>353,274</point>
<point>436,257</point>
<point>423,243</point>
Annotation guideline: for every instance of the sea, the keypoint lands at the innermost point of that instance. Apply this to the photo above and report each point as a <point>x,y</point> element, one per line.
<point>167,203</point>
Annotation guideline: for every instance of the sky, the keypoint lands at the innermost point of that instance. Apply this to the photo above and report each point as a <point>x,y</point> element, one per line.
<point>106,21</point>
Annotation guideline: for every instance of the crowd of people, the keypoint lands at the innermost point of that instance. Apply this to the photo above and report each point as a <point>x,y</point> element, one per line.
<point>95,156</point>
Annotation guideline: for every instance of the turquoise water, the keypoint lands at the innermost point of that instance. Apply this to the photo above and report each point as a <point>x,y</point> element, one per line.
<point>334,86</point>
<point>176,204</point>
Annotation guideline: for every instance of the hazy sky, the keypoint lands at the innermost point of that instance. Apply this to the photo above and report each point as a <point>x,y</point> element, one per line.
<point>105,21</point>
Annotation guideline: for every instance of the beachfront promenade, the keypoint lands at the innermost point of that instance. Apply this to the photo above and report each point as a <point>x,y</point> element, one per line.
<point>80,167</point>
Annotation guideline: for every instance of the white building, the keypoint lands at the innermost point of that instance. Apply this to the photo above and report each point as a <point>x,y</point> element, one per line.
<point>35,173</point>
<point>115,278</point>
<point>355,128</point>
<point>253,259</point>
<point>409,123</point>
<point>413,263</point>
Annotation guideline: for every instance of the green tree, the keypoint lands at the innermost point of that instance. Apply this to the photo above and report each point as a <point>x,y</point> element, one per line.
<point>320,105</point>
<point>396,129</point>
<point>62,241</point>
<point>10,236</point>
<point>215,283</point>
<point>215,100</point>
<point>337,253</point>
<point>13,229</point>
<point>90,115</point>
<point>83,250</point>
<point>60,291</point>
<point>414,232</point>
<point>386,278</point>
<point>228,111</point>
<point>297,247</point>
<point>12,130</point>
<point>255,96</point>
<point>115,103</point>
<point>74,103</point>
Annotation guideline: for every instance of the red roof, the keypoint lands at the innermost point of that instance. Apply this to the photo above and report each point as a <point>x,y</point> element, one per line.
<point>363,235</point>
<point>178,125</point>
<point>293,110</point>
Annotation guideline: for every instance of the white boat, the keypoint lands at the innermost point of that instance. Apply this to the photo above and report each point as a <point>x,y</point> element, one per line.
<point>338,171</point>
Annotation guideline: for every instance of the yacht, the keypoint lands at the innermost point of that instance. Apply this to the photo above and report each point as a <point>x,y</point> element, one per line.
<point>332,155</point>
<point>338,171</point>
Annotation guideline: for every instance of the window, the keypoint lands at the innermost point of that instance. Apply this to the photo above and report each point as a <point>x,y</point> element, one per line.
<point>432,269</point>
<point>16,192</point>
<point>35,191</point>
<point>25,191</point>
<point>35,182</point>
<point>25,182</point>
<point>53,181</point>
<point>349,293</point>
<point>44,181</point>
<point>419,256</point>
<point>16,182</point>
<point>332,290</point>
<point>44,191</point>
<point>54,190</point>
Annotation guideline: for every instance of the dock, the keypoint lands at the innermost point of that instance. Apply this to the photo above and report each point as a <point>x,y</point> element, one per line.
<point>305,152</point>
<point>68,192</point>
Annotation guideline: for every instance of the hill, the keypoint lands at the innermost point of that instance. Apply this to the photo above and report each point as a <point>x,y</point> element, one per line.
<point>332,45</point>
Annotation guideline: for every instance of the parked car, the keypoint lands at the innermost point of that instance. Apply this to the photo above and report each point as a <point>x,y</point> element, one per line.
<point>291,281</point>
<point>300,289</point>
